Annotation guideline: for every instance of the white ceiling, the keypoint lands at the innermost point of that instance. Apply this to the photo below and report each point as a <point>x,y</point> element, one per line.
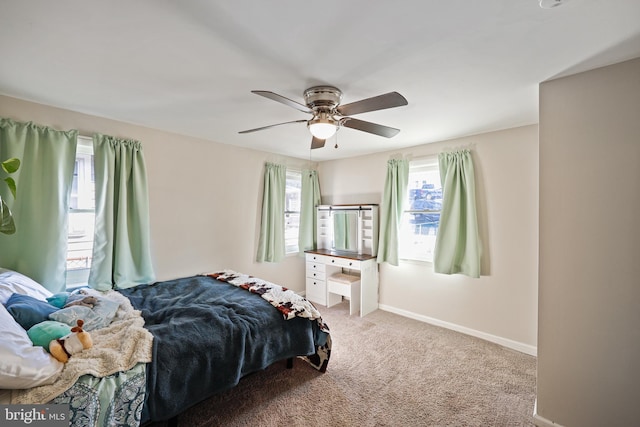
<point>188,66</point>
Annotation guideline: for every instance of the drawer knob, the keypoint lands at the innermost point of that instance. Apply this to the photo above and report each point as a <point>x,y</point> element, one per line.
<point>333,260</point>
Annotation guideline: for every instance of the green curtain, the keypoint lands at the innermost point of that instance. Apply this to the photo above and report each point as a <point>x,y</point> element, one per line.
<point>340,235</point>
<point>457,243</point>
<point>345,229</point>
<point>309,199</point>
<point>121,249</point>
<point>271,243</point>
<point>38,248</point>
<point>393,196</point>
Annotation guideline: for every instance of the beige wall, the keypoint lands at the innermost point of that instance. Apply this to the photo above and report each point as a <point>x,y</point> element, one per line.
<point>589,314</point>
<point>205,205</point>
<point>502,304</point>
<point>204,197</point>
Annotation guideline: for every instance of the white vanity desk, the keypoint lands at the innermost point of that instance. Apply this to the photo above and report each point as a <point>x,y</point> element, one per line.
<point>322,263</point>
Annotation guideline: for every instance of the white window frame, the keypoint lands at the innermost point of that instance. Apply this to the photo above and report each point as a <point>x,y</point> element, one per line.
<point>293,200</point>
<point>419,247</point>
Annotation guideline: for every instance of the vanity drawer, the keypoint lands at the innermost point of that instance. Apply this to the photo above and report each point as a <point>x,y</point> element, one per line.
<point>344,262</point>
<point>316,271</point>
<point>316,291</point>
<point>318,259</point>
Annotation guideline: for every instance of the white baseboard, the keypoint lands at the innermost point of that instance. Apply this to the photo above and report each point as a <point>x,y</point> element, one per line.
<point>541,421</point>
<point>505,342</point>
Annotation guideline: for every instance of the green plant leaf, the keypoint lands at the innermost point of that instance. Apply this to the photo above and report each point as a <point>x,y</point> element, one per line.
<point>12,185</point>
<point>7,225</point>
<point>11,165</point>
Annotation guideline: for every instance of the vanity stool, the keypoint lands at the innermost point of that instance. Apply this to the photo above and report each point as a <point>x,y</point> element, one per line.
<point>339,285</point>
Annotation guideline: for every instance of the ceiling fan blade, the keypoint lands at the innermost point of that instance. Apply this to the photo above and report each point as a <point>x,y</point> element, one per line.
<point>369,127</point>
<point>281,99</point>
<point>380,102</point>
<point>317,143</point>
<point>270,126</point>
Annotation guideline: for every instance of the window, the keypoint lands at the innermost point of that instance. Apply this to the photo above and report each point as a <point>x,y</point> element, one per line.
<point>292,211</point>
<point>81,215</point>
<point>421,216</point>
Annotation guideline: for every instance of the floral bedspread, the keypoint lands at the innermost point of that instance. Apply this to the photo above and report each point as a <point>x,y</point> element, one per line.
<point>114,400</point>
<point>286,302</point>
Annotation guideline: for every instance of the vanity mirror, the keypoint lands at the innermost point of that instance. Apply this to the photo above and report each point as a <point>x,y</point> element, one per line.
<point>348,228</point>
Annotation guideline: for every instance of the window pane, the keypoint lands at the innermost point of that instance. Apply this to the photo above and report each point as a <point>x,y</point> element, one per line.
<point>80,240</point>
<point>292,197</point>
<point>422,213</point>
<point>291,227</point>
<point>418,236</point>
<point>292,211</point>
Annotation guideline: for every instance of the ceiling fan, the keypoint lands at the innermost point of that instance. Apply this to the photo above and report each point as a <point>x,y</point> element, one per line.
<point>323,102</point>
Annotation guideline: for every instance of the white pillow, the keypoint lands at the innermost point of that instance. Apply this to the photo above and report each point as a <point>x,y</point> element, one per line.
<point>12,282</point>
<point>23,365</point>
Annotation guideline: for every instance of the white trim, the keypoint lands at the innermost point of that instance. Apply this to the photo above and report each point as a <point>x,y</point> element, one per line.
<point>424,163</point>
<point>541,421</point>
<point>505,342</point>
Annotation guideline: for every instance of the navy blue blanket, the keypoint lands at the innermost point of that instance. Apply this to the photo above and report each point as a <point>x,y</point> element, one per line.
<point>207,335</point>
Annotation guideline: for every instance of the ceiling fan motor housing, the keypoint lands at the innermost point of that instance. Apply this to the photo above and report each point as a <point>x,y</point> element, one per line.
<point>322,98</point>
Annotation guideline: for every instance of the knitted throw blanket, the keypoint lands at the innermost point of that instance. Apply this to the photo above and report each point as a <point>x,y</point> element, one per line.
<point>285,300</point>
<point>118,347</point>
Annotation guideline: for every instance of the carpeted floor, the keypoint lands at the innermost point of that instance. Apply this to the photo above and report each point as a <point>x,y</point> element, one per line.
<point>385,370</point>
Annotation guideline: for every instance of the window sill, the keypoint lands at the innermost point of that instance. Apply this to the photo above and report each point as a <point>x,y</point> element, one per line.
<point>415,261</point>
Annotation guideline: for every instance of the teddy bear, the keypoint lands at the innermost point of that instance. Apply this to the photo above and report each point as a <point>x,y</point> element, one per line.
<point>75,342</point>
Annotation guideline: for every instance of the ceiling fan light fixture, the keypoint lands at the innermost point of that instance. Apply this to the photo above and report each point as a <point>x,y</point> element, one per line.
<point>322,127</point>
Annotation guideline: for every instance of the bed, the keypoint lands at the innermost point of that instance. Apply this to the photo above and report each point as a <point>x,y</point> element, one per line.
<point>188,339</point>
